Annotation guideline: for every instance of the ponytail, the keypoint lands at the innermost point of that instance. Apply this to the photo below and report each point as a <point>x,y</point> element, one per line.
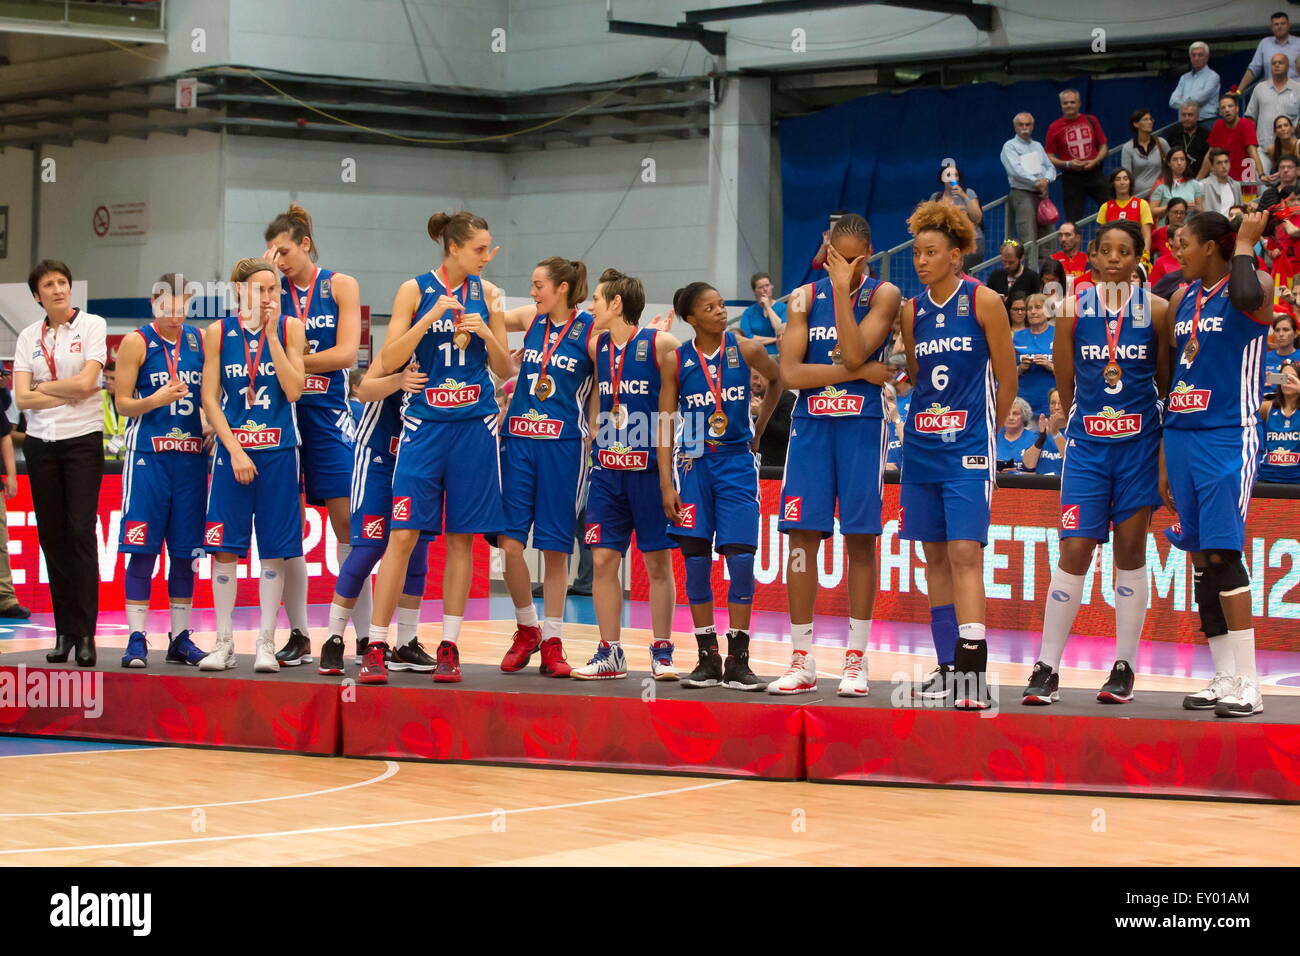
<point>565,270</point>
<point>296,221</point>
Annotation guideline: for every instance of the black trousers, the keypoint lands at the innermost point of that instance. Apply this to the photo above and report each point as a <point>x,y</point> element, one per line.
<point>1078,185</point>
<point>65,477</point>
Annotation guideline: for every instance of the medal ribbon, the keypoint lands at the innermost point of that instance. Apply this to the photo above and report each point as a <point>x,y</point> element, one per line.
<point>714,387</point>
<point>49,353</point>
<point>446,284</point>
<point>253,362</point>
<point>616,371</point>
<point>302,311</point>
<point>549,347</point>
<point>173,359</point>
<point>1112,341</point>
<point>1201,298</point>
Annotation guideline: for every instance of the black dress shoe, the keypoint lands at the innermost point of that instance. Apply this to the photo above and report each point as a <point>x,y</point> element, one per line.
<point>14,610</point>
<point>62,647</point>
<point>579,590</point>
<point>86,651</point>
<point>538,591</point>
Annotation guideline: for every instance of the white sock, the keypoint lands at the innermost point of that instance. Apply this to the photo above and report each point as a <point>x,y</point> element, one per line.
<point>295,592</point>
<point>1130,611</point>
<point>1058,615</point>
<point>859,635</point>
<point>526,616</point>
<point>180,618</point>
<point>338,619</point>
<point>270,594</point>
<point>801,637</point>
<point>224,585</point>
<point>1221,651</point>
<point>552,627</point>
<point>451,627</point>
<point>135,616</point>
<point>408,624</point>
<point>378,635</point>
<point>1243,654</point>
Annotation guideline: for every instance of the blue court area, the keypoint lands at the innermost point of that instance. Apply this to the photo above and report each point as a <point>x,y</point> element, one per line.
<point>31,746</point>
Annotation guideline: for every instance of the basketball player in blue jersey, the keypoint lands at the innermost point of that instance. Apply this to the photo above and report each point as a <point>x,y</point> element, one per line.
<point>252,375</point>
<point>958,342</point>
<point>159,371</point>
<point>448,466</point>
<point>328,304</point>
<point>1111,353</point>
<point>1280,413</point>
<point>379,432</point>
<point>711,497</point>
<point>623,495</point>
<point>543,458</point>
<point>838,444</point>
<point>1211,441</point>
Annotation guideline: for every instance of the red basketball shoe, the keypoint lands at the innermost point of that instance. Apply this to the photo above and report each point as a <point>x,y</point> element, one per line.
<point>373,668</point>
<point>528,637</point>
<point>554,663</point>
<point>448,669</point>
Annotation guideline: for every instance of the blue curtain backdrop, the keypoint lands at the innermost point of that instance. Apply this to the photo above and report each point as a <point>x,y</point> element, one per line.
<point>879,155</point>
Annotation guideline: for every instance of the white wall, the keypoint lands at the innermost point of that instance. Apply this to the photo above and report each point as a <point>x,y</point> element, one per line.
<point>16,193</point>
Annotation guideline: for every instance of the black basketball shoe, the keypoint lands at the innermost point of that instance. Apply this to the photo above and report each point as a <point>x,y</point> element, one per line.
<point>1118,688</point>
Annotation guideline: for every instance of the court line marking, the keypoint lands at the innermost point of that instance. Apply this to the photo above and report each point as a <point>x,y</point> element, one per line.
<point>130,748</point>
<point>374,826</point>
<point>392,768</point>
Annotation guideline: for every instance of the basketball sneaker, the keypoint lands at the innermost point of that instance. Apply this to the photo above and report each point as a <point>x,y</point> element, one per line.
<point>1242,700</point>
<point>1210,695</point>
<point>296,650</point>
<point>737,675</point>
<point>608,663</point>
<point>331,656</point>
<point>137,651</point>
<point>447,670</point>
<point>971,691</point>
<point>708,672</point>
<point>527,641</point>
<point>1044,686</point>
<point>1118,688</point>
<point>554,663</point>
<point>362,644</point>
<point>266,662</point>
<point>181,650</point>
<point>411,657</point>
<point>938,686</point>
<point>374,668</point>
<point>661,661</point>
<point>799,678</point>
<point>853,681</point>
<point>222,656</point>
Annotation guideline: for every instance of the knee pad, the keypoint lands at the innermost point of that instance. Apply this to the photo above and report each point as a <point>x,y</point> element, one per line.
<point>356,568</point>
<point>699,569</point>
<point>740,566</point>
<point>1225,572</point>
<point>1213,623</point>
<point>139,575</point>
<point>180,577</point>
<point>417,570</point>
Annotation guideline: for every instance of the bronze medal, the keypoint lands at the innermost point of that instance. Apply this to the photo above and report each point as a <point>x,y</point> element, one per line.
<point>837,356</point>
<point>618,415</point>
<point>718,424</point>
<point>1190,350</point>
<point>543,388</point>
<point>461,339</point>
<point>1112,374</point>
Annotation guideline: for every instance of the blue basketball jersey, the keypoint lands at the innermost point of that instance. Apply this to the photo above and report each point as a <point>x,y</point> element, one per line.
<point>1126,409</point>
<point>380,431</point>
<point>696,404</point>
<point>563,413</point>
<point>949,431</point>
<point>327,389</point>
<point>1280,460</point>
<point>1220,387</point>
<point>174,427</point>
<point>264,420</point>
<point>632,446</point>
<point>856,399</point>
<point>460,385</point>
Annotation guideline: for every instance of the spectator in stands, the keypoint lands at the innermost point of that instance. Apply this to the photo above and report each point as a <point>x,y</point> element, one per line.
<point>1012,275</point>
<point>1071,255</point>
<point>1288,174</point>
<point>1167,260</point>
<point>772,448</point>
<point>819,260</point>
<point>1272,99</point>
<point>902,384</point>
<point>1018,310</point>
<point>1284,144</point>
<point>1029,173</point>
<point>1281,41</point>
<point>1054,284</point>
<point>764,321</point>
<point>9,606</point>
<point>1124,205</point>
<point>1199,86</point>
<point>1176,182</point>
<point>1283,351</point>
<point>1236,134</point>
<point>1033,346</point>
<point>1014,437</point>
<point>1144,154</point>
<point>114,424</point>
<point>1175,216</point>
<point>57,367</point>
<point>964,198</point>
<point>894,448</point>
<point>1189,136</point>
<point>1048,454</point>
<point>1219,191</point>
<point>1077,146</point>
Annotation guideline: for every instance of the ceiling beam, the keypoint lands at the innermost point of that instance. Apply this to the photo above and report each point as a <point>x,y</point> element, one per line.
<point>980,16</point>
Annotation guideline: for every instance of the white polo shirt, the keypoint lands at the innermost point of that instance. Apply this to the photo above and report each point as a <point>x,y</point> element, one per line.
<point>72,345</point>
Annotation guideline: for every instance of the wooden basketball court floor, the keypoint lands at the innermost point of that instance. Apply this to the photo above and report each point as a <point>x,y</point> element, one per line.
<point>69,803</point>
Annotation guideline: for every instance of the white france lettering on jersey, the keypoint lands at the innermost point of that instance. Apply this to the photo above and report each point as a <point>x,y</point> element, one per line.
<point>241,369</point>
<point>566,363</point>
<point>626,387</point>
<point>188,376</point>
<point>733,393</point>
<point>320,322</point>
<point>1102,352</point>
<point>827,332</point>
<point>953,343</point>
<point>1209,323</point>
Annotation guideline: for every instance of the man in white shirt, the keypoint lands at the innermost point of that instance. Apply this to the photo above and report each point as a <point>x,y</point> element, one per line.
<point>1200,84</point>
<point>57,364</point>
<point>1029,172</point>
<point>1279,95</point>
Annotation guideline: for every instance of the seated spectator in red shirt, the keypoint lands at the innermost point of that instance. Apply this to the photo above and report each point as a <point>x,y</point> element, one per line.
<point>1175,216</point>
<point>1071,257</point>
<point>1168,260</point>
<point>1237,135</point>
